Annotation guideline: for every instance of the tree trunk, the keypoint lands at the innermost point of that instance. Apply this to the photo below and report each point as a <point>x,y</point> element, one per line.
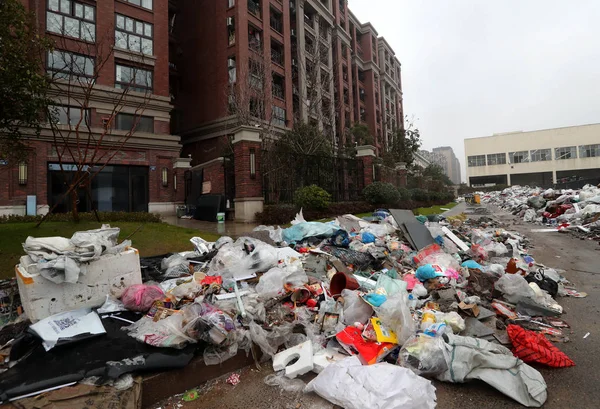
<point>74,210</point>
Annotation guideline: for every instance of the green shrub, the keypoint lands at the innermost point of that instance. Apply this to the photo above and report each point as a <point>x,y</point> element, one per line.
<point>419,195</point>
<point>105,217</point>
<point>404,194</point>
<point>381,193</point>
<point>312,198</point>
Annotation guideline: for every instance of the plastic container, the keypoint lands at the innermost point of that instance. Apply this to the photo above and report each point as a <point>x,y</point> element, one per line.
<point>220,217</point>
<point>340,281</point>
<point>111,274</point>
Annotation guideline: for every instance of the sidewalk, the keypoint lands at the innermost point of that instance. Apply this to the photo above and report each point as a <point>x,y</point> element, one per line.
<point>231,229</point>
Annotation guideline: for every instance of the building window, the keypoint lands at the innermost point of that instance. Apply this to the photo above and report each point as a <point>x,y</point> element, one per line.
<point>276,53</point>
<point>518,157</point>
<point>254,38</point>
<point>477,160</point>
<point>147,4</point>
<point>133,35</point>
<point>569,152</point>
<point>589,151</point>
<point>252,163</point>
<point>278,86</point>
<point>231,69</point>
<point>256,74</point>
<point>230,3</point>
<point>136,123</point>
<point>541,155</point>
<point>231,30</point>
<point>254,7</point>
<point>133,78</point>
<point>278,116</point>
<point>276,21</point>
<point>68,66</point>
<point>69,115</point>
<point>70,18</point>
<point>496,159</point>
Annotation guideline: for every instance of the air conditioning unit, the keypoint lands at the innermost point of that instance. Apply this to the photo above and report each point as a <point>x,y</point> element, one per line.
<point>293,31</point>
<point>292,6</point>
<point>229,21</point>
<point>294,62</point>
<point>230,63</point>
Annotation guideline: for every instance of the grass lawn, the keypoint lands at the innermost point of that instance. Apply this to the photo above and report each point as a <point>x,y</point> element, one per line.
<point>152,239</point>
<point>425,211</point>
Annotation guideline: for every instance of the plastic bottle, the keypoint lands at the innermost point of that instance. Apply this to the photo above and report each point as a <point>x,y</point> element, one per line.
<point>412,302</point>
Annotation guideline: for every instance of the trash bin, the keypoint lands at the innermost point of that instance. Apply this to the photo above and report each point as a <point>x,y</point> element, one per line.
<point>181,211</point>
<point>220,217</point>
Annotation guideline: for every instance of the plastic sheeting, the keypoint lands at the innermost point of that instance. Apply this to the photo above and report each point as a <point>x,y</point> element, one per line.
<point>351,385</point>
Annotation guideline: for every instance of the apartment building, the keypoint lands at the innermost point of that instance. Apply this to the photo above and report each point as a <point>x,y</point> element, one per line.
<point>121,47</point>
<point>317,63</point>
<point>435,158</point>
<point>541,158</point>
<point>452,165</point>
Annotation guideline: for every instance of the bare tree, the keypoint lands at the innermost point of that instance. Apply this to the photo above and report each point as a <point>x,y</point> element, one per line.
<point>84,150</point>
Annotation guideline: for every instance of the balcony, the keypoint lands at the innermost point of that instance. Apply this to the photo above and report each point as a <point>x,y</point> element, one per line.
<point>277,56</point>
<point>254,8</point>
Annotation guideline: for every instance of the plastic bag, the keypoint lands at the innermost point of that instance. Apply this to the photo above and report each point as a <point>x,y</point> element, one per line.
<point>111,305</point>
<point>351,385</point>
<point>395,314</point>
<point>302,230</point>
<point>355,309</point>
<point>140,297</point>
<point>452,319</point>
<point>514,288</point>
<point>275,234</point>
<point>533,347</point>
<point>367,237</point>
<point>243,257</point>
<point>286,384</point>
<point>424,355</point>
<point>201,245</point>
<point>389,285</point>
<point>271,284</point>
<point>67,325</point>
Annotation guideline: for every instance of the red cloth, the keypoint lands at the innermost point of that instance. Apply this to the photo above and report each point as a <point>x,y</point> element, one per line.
<point>533,347</point>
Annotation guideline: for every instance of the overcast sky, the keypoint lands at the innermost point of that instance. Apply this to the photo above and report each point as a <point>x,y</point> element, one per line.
<point>473,68</point>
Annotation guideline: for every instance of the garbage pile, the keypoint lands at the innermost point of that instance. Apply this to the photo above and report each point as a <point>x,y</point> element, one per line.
<point>376,308</point>
<point>567,210</point>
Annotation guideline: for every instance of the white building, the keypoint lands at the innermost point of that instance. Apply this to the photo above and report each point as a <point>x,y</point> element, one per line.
<point>540,158</point>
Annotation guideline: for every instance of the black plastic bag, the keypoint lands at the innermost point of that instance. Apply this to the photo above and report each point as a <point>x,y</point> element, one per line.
<point>545,283</point>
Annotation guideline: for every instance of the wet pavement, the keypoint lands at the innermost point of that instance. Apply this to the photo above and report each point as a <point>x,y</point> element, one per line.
<point>229,228</point>
<point>567,387</point>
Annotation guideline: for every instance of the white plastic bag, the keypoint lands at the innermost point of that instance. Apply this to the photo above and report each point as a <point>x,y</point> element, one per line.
<point>271,283</point>
<point>514,287</point>
<point>351,385</point>
<point>355,309</point>
<point>395,314</point>
<point>424,355</point>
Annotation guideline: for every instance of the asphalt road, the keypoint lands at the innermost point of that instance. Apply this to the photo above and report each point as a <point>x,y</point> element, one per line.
<point>575,387</point>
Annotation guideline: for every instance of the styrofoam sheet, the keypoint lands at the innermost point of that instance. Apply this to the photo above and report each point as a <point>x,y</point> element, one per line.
<point>111,274</point>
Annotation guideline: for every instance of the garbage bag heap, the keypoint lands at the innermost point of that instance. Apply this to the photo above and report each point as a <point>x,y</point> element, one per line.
<point>356,300</point>
<point>567,210</point>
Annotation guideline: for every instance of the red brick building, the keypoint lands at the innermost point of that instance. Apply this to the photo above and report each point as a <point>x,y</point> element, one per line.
<point>122,47</point>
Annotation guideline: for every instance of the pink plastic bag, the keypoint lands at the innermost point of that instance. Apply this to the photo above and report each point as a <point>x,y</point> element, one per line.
<point>139,297</point>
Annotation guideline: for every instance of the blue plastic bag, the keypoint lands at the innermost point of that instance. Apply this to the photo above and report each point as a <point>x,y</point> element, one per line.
<point>368,237</point>
<point>427,272</point>
<point>471,264</point>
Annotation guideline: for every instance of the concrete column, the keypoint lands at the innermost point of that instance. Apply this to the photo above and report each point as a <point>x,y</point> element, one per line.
<point>554,177</point>
<point>180,165</point>
<point>402,174</point>
<point>507,180</point>
<point>366,154</point>
<point>249,197</point>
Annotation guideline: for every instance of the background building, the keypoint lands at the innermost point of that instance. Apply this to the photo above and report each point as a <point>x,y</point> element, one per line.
<point>451,165</point>
<point>318,64</point>
<point>143,174</point>
<point>540,158</point>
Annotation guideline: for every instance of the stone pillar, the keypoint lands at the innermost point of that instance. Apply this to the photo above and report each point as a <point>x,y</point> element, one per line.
<point>180,165</point>
<point>366,154</point>
<point>249,197</point>
<point>402,174</point>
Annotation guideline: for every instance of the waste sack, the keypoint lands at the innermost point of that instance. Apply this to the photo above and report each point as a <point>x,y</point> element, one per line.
<point>534,347</point>
<point>140,297</point>
<point>471,358</point>
<point>351,385</point>
<point>302,230</point>
<point>424,355</point>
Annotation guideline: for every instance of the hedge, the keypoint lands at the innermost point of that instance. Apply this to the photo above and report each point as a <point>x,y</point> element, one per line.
<point>105,217</point>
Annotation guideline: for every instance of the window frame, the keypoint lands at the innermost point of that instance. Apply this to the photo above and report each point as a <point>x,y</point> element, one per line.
<point>133,117</point>
<point>535,154</point>
<point>496,156</point>
<point>87,114</point>
<point>524,154</point>
<point>141,4</point>
<point>72,15</point>
<point>473,161</point>
<point>127,33</point>
<point>278,120</point>
<point>133,86</point>
<point>76,76</point>
<point>572,149</point>
<point>594,148</point>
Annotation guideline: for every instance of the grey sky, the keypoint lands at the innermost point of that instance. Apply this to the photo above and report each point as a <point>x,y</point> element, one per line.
<point>477,67</point>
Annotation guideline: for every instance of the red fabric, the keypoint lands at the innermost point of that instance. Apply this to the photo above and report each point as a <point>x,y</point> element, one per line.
<point>533,347</point>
